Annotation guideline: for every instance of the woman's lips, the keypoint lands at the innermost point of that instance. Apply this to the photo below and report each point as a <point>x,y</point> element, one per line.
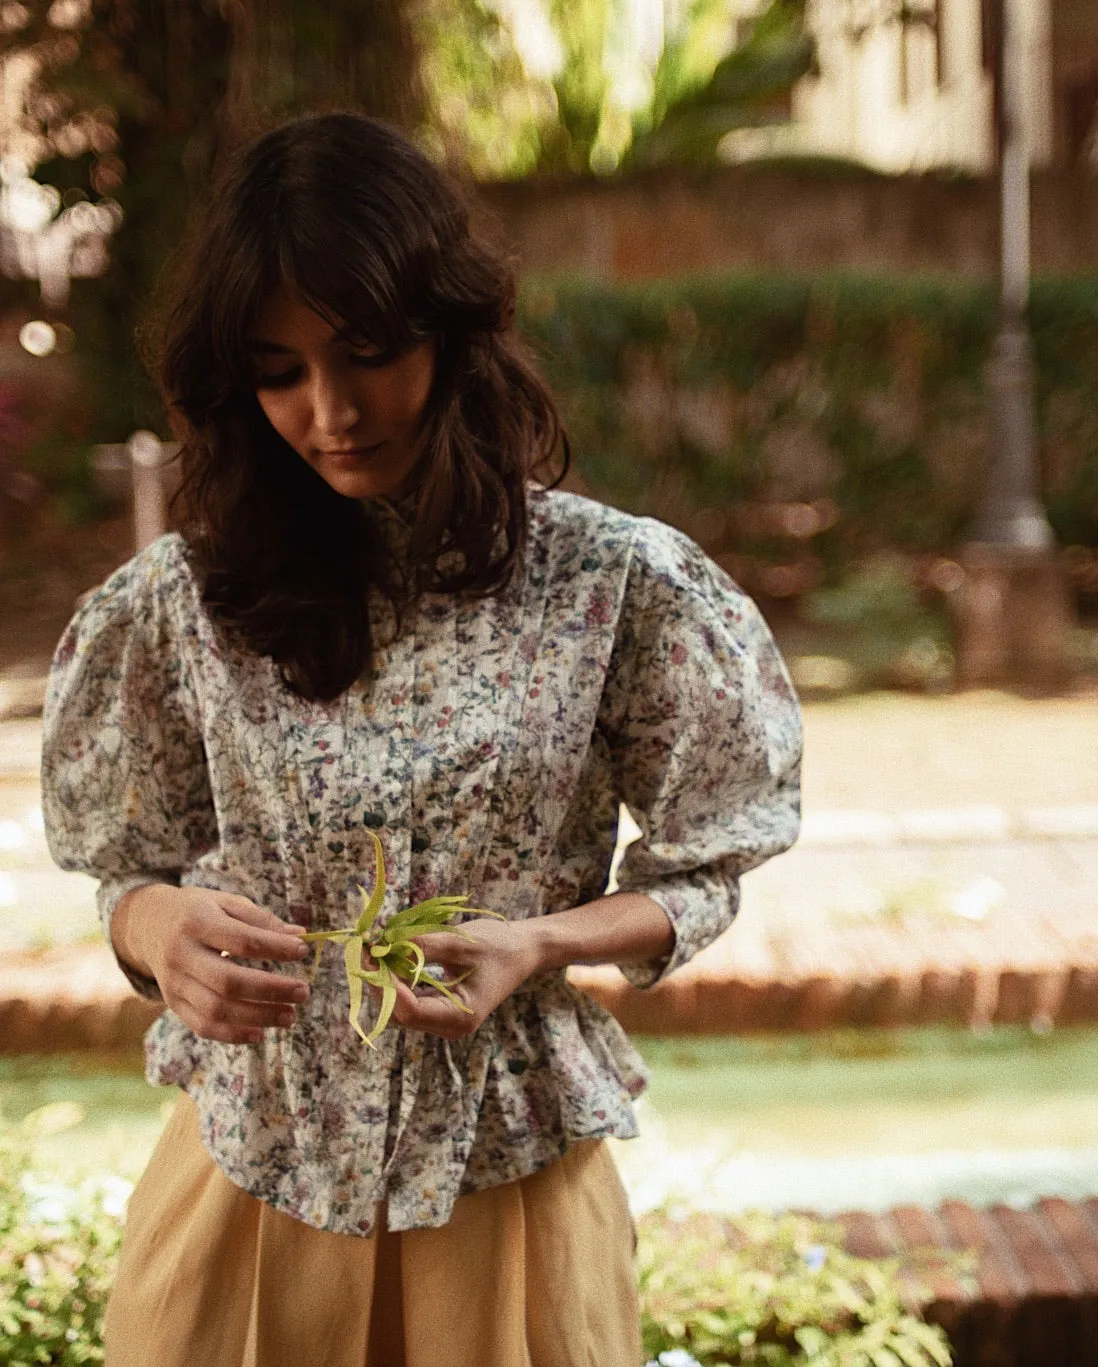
<point>352,457</point>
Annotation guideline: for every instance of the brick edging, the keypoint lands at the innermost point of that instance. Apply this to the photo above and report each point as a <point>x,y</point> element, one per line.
<point>1031,1299</point>
<point>75,998</point>
<point>699,1003</point>
<point>69,999</point>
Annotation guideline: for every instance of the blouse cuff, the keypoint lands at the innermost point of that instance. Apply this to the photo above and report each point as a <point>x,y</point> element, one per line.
<point>697,915</point>
<point>110,893</point>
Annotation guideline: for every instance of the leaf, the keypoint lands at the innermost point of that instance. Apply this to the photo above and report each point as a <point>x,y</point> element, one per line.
<point>451,982</point>
<point>388,1001</point>
<point>436,911</point>
<point>400,928</point>
<point>933,1340</point>
<point>461,934</point>
<point>352,958</point>
<point>377,897</point>
<point>748,87</point>
<point>811,1338</point>
<point>908,1351</point>
<point>440,986</point>
<point>884,1357</point>
<point>410,947</point>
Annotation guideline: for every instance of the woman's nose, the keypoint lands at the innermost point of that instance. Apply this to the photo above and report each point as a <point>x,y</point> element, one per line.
<point>335,409</point>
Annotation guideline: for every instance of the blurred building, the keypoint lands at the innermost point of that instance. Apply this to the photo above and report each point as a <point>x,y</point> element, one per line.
<point>1075,82</point>
<point>907,85</point>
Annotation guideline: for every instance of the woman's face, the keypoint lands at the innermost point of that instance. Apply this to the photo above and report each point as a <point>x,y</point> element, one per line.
<point>352,412</point>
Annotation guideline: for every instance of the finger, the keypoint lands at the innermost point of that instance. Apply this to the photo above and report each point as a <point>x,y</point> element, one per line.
<point>244,940</point>
<point>240,983</point>
<point>241,909</point>
<point>224,1032</point>
<point>442,947</point>
<point>218,1011</point>
<point>432,1014</point>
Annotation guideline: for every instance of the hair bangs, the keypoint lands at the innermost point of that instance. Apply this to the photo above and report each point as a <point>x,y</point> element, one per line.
<point>353,282</point>
<point>235,289</point>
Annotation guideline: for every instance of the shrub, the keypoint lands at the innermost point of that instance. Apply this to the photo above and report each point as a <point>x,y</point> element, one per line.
<point>797,427</point>
<point>775,1291</point>
<point>58,1249</point>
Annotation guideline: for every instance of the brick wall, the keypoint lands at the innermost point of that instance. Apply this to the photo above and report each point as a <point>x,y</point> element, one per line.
<point>741,218</point>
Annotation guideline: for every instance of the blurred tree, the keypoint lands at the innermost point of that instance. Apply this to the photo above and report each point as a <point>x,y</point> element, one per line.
<point>516,86</point>
<point>488,95</point>
<point>749,86</point>
<point>133,102</point>
<point>123,105</point>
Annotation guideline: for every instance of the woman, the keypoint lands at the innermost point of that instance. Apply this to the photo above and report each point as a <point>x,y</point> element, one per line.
<point>375,620</point>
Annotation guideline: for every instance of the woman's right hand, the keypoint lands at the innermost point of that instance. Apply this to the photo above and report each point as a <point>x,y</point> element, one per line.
<point>189,940</point>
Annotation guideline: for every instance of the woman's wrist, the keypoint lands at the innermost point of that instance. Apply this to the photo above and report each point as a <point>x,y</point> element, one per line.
<point>625,927</point>
<point>130,922</point>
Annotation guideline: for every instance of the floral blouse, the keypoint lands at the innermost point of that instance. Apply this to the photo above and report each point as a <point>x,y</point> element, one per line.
<point>489,746</point>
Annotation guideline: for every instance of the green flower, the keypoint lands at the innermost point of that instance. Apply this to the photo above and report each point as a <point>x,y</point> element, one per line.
<point>392,952</point>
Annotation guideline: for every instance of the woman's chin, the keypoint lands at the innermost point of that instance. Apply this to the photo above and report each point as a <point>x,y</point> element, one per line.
<point>364,483</point>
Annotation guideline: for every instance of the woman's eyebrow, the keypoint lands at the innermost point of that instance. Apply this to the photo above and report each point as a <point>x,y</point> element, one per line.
<point>269,348</point>
<point>348,333</point>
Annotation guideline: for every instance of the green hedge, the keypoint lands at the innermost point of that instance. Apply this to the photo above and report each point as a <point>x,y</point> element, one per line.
<point>798,426</point>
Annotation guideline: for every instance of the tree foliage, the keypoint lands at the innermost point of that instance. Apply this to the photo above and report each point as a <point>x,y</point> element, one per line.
<point>750,85</point>
<point>517,86</point>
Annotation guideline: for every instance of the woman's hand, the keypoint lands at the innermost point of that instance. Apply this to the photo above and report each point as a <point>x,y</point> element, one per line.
<point>501,955</point>
<point>188,940</point>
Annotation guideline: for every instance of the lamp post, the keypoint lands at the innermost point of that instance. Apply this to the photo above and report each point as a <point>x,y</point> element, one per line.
<point>1011,513</point>
<point>144,473</point>
<point>1013,617</point>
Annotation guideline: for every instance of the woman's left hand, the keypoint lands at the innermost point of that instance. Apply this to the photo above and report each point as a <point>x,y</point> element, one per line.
<point>501,955</point>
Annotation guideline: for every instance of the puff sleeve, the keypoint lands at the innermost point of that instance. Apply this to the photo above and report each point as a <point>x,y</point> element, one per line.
<point>704,733</point>
<point>125,791</point>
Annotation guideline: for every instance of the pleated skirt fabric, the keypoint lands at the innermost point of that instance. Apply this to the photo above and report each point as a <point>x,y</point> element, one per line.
<point>534,1273</point>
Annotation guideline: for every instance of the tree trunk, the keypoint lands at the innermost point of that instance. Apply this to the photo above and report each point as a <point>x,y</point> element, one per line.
<point>296,56</point>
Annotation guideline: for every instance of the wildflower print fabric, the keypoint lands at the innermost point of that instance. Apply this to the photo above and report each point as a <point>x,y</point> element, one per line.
<point>489,747</point>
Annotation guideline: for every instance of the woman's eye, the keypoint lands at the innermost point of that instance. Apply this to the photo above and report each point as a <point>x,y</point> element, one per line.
<point>371,360</point>
<point>282,380</point>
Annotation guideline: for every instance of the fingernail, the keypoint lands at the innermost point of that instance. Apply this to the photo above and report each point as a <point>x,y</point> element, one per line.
<point>287,1017</point>
<point>301,993</point>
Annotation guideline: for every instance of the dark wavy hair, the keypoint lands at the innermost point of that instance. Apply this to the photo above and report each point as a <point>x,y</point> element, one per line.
<point>348,212</point>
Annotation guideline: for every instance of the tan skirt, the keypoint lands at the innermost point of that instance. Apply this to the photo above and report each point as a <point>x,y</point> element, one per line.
<point>534,1273</point>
